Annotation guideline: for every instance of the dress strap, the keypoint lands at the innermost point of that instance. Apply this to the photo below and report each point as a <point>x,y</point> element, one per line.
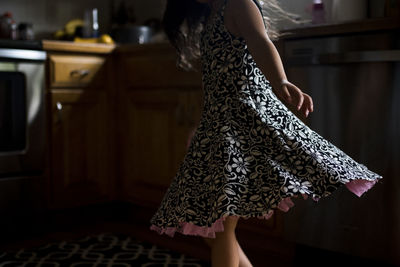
<point>261,12</point>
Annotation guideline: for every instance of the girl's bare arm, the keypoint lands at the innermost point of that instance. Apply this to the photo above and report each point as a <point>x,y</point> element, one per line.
<point>243,18</point>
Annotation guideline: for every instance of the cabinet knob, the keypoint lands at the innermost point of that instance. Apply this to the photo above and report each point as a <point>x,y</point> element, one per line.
<point>59,108</point>
<point>79,73</point>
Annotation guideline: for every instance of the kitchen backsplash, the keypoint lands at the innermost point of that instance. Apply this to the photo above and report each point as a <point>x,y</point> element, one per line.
<point>47,16</point>
<point>302,8</point>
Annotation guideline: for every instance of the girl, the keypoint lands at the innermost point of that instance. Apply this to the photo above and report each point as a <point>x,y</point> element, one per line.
<point>250,154</point>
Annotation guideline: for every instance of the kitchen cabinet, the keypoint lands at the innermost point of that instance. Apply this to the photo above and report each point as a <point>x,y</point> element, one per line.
<point>157,125</point>
<point>79,148</point>
<point>158,107</point>
<point>81,157</point>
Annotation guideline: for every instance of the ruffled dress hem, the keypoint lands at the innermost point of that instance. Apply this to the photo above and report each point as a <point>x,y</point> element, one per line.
<point>358,187</point>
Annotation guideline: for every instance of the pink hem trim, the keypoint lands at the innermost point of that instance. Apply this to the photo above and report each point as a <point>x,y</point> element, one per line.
<point>358,187</point>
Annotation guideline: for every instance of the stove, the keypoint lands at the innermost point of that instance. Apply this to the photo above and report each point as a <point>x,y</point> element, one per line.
<point>22,129</point>
<point>21,44</point>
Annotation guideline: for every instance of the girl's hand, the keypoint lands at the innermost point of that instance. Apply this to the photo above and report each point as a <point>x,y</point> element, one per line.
<point>291,95</point>
<point>244,19</point>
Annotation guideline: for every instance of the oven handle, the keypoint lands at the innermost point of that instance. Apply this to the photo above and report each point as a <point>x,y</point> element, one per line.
<point>348,57</point>
<point>22,54</point>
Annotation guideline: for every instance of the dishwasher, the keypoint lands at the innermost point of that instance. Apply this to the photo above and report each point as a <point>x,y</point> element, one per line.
<point>354,81</point>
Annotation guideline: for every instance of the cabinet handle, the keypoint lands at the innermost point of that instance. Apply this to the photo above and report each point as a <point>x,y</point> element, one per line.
<point>79,73</point>
<point>59,108</point>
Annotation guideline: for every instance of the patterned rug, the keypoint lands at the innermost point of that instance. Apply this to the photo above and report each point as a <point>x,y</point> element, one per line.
<point>101,250</point>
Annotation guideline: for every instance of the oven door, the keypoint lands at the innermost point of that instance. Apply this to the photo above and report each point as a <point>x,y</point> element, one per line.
<point>12,113</point>
<point>22,118</point>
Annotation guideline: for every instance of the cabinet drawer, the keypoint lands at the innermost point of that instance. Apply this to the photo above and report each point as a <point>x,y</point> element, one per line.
<point>73,71</point>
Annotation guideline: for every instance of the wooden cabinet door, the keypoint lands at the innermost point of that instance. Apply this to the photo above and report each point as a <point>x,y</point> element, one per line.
<point>80,148</point>
<point>155,134</point>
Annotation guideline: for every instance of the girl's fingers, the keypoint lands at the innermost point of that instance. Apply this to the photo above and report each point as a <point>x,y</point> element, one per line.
<point>298,97</point>
<point>300,101</point>
<point>305,108</point>
<point>292,95</point>
<point>311,104</point>
<point>308,105</point>
<point>309,101</point>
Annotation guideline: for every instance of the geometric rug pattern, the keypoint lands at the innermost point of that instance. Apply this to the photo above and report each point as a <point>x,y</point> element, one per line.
<point>102,250</point>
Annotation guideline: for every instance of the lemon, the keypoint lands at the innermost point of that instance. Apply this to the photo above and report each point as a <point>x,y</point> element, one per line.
<point>85,40</point>
<point>106,39</point>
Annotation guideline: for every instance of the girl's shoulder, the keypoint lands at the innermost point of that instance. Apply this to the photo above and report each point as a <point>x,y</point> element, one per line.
<point>241,8</point>
<point>240,16</point>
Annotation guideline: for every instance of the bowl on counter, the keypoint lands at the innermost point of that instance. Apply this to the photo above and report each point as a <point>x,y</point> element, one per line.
<point>132,34</point>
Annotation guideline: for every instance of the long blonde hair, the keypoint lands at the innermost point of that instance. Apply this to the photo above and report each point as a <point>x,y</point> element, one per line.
<point>272,14</point>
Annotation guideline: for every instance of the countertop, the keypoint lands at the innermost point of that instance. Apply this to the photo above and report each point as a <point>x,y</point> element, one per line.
<point>352,27</point>
<point>69,46</point>
<point>309,31</point>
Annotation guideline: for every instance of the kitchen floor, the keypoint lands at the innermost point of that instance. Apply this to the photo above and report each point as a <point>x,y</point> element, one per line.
<point>110,220</point>
<point>116,221</point>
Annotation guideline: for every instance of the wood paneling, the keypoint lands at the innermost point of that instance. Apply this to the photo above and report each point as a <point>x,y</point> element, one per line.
<point>80,154</point>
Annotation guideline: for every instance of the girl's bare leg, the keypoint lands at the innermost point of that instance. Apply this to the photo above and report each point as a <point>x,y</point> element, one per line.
<point>225,250</point>
<point>243,260</point>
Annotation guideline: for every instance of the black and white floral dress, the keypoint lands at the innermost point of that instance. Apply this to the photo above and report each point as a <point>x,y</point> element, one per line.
<point>249,154</point>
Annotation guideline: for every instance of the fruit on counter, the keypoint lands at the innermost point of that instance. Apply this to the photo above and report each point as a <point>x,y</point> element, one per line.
<point>103,39</point>
<point>69,29</point>
<point>106,39</point>
<point>73,30</point>
<point>85,40</point>
<point>71,26</point>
